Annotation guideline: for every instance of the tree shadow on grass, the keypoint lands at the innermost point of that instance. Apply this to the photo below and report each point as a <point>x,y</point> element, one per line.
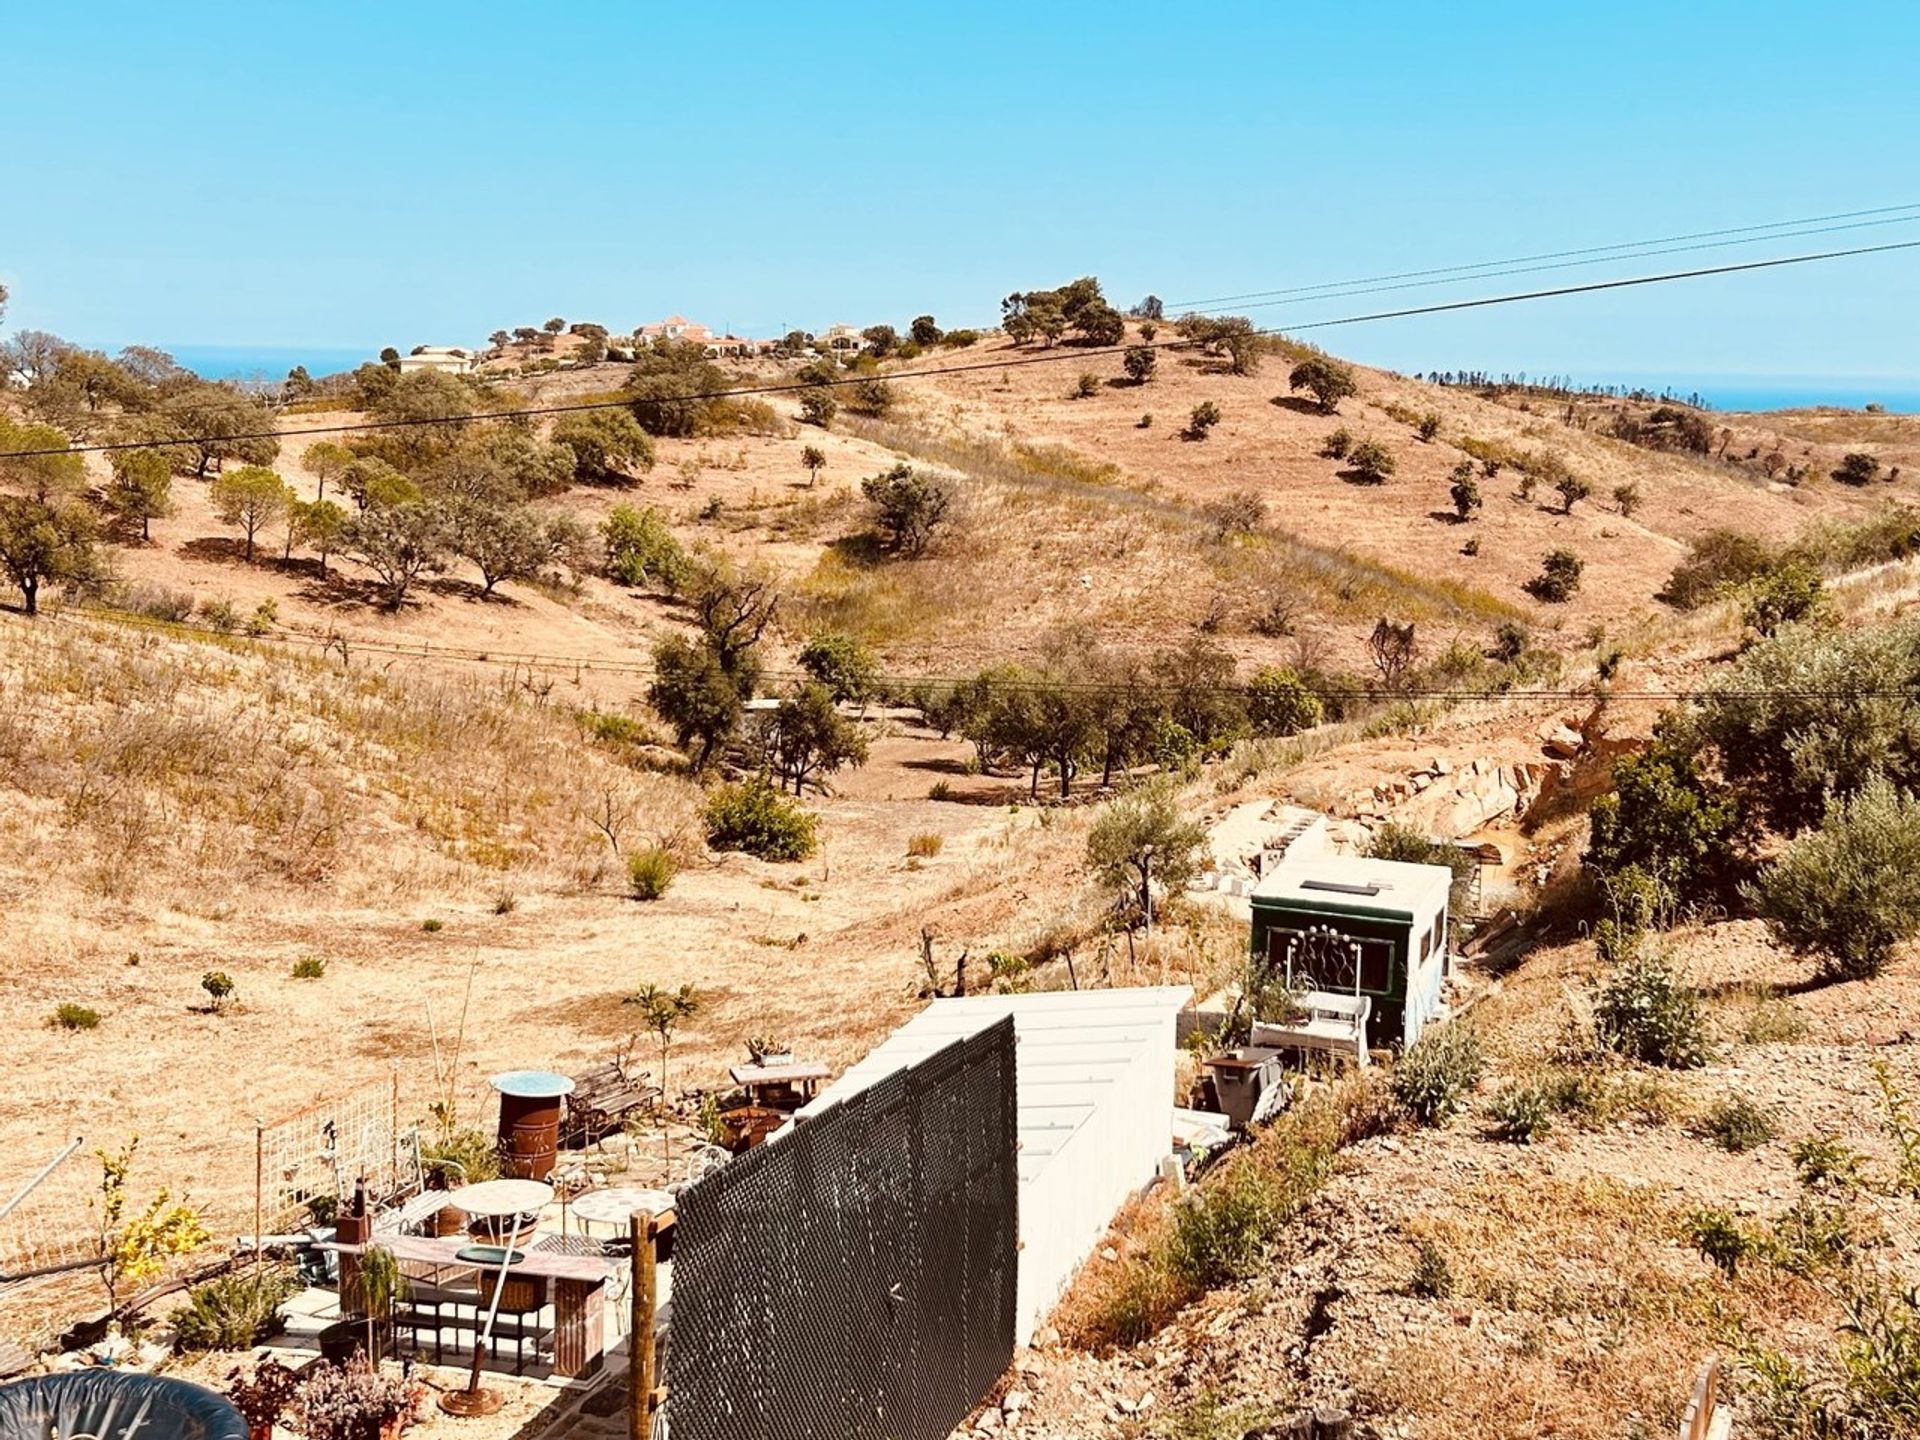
<point>218,550</point>
<point>1300,405</point>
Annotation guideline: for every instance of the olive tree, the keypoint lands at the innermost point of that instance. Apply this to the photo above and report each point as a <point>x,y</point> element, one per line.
<point>1326,379</point>
<point>1141,843</point>
<point>400,544</point>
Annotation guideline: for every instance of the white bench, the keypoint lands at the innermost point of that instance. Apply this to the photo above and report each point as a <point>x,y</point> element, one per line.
<point>1334,1023</point>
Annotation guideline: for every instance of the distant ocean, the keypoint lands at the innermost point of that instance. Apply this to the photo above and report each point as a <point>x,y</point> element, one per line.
<point>1900,395</point>
<point>266,362</point>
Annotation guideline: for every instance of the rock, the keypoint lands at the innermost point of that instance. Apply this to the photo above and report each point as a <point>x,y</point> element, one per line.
<point>1563,742</point>
<point>1015,1401</point>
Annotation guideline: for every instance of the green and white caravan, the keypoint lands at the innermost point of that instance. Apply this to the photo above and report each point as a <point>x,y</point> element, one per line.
<point>1347,925</point>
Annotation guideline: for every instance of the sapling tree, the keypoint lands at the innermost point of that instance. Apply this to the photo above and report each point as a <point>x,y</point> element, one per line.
<point>663,1012</point>
<point>135,1247</point>
<point>815,459</point>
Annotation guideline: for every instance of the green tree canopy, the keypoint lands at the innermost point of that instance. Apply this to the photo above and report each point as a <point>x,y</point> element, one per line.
<point>44,543</point>
<point>1325,378</point>
<point>609,447</point>
<point>252,498</point>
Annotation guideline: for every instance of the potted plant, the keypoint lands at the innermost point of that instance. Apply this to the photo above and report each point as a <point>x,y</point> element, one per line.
<point>770,1052</point>
<point>366,1304</point>
<point>458,1157</point>
<point>262,1397</point>
<point>355,1402</point>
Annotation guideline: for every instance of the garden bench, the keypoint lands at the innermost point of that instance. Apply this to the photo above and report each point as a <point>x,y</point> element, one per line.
<point>602,1098</point>
<point>1336,1024</point>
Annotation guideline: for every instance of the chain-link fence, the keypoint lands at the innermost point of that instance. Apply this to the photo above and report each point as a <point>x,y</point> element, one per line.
<point>857,1278</point>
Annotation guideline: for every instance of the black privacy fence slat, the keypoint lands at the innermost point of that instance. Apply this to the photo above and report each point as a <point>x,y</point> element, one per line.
<point>855,1281</point>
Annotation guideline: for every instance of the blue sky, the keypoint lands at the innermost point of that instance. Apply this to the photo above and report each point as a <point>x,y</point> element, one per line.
<point>360,175</point>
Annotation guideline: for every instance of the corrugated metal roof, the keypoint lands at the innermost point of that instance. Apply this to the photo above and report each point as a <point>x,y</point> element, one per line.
<point>1073,1047</point>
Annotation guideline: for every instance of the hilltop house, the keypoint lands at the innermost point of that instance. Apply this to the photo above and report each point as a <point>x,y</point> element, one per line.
<point>839,337</point>
<point>445,359</point>
<point>678,327</point>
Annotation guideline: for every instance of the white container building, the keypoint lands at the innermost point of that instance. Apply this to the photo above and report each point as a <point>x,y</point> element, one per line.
<point>1094,1070</point>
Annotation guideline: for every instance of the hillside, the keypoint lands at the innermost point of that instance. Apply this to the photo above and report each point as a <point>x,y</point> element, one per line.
<point>445,795</point>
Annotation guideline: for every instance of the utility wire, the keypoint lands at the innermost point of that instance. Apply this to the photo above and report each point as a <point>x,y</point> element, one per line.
<point>1547,255</point>
<point>1334,294</point>
<point>1051,357</point>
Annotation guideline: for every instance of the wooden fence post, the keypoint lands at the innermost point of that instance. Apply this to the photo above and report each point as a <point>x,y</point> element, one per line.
<point>640,1332</point>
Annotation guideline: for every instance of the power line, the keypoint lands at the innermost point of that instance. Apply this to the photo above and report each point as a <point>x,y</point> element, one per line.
<point>1051,357</point>
<point>1548,255</point>
<point>1576,264</point>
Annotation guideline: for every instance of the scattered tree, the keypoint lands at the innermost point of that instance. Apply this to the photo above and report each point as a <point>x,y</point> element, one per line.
<point>1327,379</point>
<point>1781,596</point>
<point>1558,579</point>
<point>924,332</point>
<point>326,460</point>
<point>908,507</point>
<point>608,445</point>
<point>641,550</point>
<point>1464,491</point>
<point>1203,418</point>
<point>1371,462</point>
<point>1279,702</point>
<point>696,696</point>
<point>1857,469</point>
<point>1848,893</point>
<point>319,524</point>
<point>754,818</point>
<point>1139,362</point>
<point>1571,488</point>
<point>663,1012</point>
<point>1393,650</point>
<point>503,542</point>
<point>818,405</point>
<point>1626,498</point>
<point>400,544</point>
<point>140,491</point>
<point>808,739</point>
<point>1140,844</point>
<point>1338,445</point>
<point>815,459</point>
<point>844,665</point>
<point>44,543</point>
<point>252,497</point>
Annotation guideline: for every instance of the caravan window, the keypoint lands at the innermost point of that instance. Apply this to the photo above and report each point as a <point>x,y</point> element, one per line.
<point>1376,966</point>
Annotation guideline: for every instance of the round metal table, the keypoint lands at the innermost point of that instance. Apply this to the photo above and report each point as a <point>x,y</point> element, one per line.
<point>615,1205</point>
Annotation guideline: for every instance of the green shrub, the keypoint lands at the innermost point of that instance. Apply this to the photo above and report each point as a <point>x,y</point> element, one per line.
<point>1826,1160</point>
<point>1782,596</point>
<point>650,872</point>
<point>1394,841</point>
<point>1736,1125</point>
<point>1279,702</point>
<point>1847,894</point>
<point>1338,445</point>
<point>641,550</point>
<point>1645,1013</point>
<point>433,927</point>
<point>1371,462</point>
<point>309,967</point>
<point>1437,1073</point>
<point>1663,831</point>
<point>755,818</point>
<point>70,1015</point>
<point>1521,1114</point>
<point>1204,417</point>
<point>235,1311</point>
<point>1559,578</point>
<point>1719,561</point>
<point>219,987</point>
<point>1222,1231</point>
<point>1721,1238</point>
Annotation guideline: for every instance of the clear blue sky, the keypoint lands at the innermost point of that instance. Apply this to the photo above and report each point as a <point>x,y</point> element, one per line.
<point>360,175</point>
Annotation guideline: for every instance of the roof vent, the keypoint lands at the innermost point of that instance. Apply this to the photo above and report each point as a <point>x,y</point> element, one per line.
<point>1342,887</point>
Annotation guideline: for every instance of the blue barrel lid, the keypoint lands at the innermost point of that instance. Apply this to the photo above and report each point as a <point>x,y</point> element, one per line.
<point>115,1404</point>
<point>532,1084</point>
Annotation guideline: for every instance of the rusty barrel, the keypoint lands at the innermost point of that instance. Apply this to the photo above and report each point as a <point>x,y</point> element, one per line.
<point>530,1103</point>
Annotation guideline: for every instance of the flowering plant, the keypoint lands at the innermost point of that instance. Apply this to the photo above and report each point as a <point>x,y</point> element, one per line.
<point>354,1402</point>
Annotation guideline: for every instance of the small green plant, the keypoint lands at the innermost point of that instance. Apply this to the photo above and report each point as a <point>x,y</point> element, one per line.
<point>70,1015</point>
<point>925,846</point>
<point>1826,1161</point>
<point>235,1311</point>
<point>1203,418</point>
<point>1736,1125</point>
<point>433,927</point>
<point>940,790</point>
<point>309,967</point>
<point>1428,427</point>
<point>219,987</point>
<point>460,1157</point>
<point>1721,1238</point>
<point>1646,1013</point>
<point>1521,1114</point>
<point>1472,547</point>
<point>1336,445</point>
<point>1437,1073</point>
<point>264,617</point>
<point>1432,1277</point>
<point>650,872</point>
<point>1896,1117</point>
